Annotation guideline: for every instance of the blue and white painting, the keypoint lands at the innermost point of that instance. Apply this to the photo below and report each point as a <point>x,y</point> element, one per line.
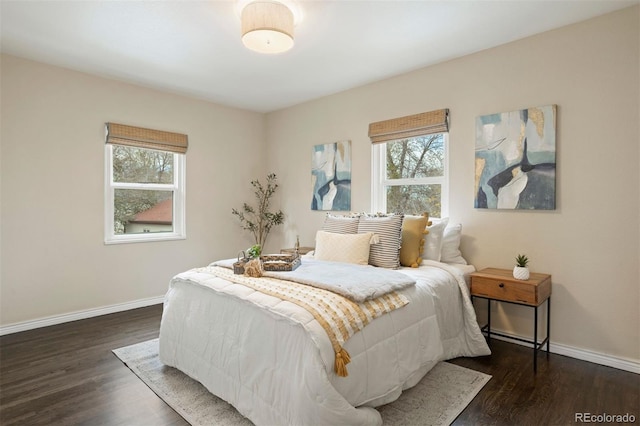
<point>331,176</point>
<point>516,160</point>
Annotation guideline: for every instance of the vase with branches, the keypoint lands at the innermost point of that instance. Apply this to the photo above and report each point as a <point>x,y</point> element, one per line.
<point>259,220</point>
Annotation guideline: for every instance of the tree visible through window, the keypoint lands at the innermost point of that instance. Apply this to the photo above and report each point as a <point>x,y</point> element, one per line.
<point>410,175</point>
<point>142,166</point>
<point>143,191</point>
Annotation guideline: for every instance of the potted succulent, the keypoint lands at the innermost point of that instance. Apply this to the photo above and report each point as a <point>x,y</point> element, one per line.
<point>520,271</point>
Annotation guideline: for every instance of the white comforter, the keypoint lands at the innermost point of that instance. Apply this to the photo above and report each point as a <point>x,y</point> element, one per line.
<point>275,365</point>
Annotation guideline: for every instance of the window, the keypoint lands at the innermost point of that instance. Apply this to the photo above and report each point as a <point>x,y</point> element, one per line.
<point>144,189</point>
<point>410,169</point>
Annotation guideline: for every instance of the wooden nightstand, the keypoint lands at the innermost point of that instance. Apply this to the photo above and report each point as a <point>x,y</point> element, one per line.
<point>301,250</point>
<point>499,284</point>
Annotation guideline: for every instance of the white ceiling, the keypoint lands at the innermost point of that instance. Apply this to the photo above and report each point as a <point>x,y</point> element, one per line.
<point>194,47</point>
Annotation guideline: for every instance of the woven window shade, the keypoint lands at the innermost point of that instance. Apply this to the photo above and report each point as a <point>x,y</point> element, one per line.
<point>425,123</point>
<point>139,137</point>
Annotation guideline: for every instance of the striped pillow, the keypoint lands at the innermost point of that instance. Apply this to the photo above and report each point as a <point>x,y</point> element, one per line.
<point>385,254</point>
<point>347,224</point>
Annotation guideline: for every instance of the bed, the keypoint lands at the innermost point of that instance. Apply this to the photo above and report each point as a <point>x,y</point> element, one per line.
<point>266,345</point>
<point>275,364</point>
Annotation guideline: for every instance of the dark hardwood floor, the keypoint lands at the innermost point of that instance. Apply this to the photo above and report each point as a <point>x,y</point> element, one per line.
<point>562,388</point>
<point>67,375</point>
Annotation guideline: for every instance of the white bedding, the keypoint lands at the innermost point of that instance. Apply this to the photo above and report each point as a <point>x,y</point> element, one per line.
<point>275,365</point>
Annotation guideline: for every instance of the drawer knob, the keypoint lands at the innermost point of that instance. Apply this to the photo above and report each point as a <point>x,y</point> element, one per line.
<point>501,285</point>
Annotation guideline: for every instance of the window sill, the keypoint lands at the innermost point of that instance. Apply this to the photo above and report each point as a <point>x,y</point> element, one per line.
<point>141,238</point>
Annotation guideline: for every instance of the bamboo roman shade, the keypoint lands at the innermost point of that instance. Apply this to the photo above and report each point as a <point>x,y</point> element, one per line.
<point>425,123</point>
<point>121,134</point>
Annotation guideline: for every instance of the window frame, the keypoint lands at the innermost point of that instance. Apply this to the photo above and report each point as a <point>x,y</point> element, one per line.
<point>379,182</point>
<point>179,202</point>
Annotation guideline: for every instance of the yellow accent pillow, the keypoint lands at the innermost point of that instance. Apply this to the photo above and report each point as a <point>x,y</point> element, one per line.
<point>414,229</point>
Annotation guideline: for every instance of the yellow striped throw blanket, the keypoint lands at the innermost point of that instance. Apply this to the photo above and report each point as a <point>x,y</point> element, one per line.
<point>340,317</point>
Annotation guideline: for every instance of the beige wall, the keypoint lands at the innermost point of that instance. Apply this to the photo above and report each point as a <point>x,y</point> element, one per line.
<point>54,260</point>
<point>590,244</point>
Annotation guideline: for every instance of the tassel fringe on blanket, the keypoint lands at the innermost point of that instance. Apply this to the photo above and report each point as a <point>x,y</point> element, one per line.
<point>340,317</point>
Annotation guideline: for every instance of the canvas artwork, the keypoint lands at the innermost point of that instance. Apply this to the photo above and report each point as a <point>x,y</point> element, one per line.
<point>331,176</point>
<point>516,160</point>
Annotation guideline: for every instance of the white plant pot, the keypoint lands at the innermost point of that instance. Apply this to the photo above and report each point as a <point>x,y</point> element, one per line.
<point>521,273</point>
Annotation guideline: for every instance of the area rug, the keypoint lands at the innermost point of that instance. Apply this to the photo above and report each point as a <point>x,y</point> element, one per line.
<point>437,400</point>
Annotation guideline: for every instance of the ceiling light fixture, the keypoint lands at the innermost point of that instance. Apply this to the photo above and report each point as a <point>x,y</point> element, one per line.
<point>267,26</point>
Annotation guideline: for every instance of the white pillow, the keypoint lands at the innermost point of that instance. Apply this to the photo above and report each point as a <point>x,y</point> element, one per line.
<point>433,242</point>
<point>347,248</point>
<point>450,252</point>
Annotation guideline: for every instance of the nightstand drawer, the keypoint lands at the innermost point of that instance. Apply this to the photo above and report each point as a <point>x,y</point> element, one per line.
<point>504,290</point>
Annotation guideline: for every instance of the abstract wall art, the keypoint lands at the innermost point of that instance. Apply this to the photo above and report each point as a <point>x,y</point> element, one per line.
<point>515,165</point>
<point>331,176</point>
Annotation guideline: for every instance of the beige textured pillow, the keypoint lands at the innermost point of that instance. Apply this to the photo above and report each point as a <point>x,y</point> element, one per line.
<point>348,248</point>
<point>414,229</point>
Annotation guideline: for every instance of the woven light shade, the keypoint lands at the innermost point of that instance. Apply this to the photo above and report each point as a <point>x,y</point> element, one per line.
<point>425,123</point>
<point>267,27</point>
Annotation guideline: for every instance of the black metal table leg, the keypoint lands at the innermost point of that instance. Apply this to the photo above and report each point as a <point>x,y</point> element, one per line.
<point>537,346</point>
<point>548,324</point>
<point>535,340</point>
<point>488,320</point>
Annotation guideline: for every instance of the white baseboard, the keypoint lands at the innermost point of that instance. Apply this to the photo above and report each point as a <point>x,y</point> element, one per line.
<point>582,354</point>
<point>78,315</point>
